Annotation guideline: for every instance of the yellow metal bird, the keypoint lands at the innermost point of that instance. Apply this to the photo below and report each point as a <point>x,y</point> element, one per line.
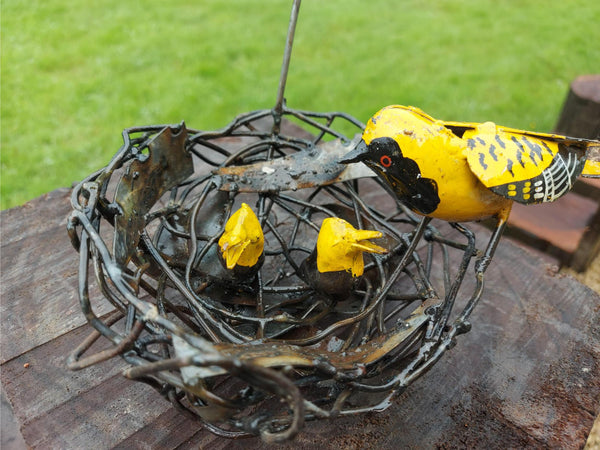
<point>337,261</point>
<point>242,242</point>
<point>460,172</point>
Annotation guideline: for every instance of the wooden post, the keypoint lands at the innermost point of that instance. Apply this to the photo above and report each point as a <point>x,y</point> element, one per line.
<point>580,116</point>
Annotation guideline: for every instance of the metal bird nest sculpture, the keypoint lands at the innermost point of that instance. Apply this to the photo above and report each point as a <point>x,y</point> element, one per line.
<point>211,259</point>
<point>258,278</point>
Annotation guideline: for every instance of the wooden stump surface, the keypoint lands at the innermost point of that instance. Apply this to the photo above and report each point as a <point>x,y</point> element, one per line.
<point>528,374</point>
<point>580,116</point>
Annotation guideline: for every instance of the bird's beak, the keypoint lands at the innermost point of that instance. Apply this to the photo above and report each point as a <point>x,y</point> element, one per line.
<point>357,154</point>
<point>233,251</point>
<point>369,247</point>
<point>363,244</point>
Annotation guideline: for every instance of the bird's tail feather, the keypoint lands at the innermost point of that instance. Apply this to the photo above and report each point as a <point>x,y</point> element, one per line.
<point>592,163</point>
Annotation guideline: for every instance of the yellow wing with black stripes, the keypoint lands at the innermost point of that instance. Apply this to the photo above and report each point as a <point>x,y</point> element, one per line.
<point>524,166</point>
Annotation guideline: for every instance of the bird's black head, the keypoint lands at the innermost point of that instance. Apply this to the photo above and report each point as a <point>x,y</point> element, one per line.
<point>402,175</point>
<point>377,155</point>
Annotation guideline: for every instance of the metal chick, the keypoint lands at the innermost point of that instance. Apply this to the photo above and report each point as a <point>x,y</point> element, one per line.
<point>242,243</point>
<point>337,260</point>
<point>234,259</point>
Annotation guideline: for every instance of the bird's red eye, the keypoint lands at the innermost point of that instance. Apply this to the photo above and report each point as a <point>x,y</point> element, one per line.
<point>385,161</point>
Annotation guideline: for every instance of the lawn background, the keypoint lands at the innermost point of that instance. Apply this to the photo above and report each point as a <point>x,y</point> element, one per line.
<point>74,74</point>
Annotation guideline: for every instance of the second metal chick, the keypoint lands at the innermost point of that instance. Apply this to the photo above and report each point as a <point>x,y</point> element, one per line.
<point>234,259</point>
<point>337,262</point>
<point>241,247</point>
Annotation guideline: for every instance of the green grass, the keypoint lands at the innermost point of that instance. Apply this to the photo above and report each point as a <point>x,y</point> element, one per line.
<point>74,76</point>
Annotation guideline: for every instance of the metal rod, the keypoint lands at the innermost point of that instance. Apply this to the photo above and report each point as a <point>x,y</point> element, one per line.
<point>278,109</point>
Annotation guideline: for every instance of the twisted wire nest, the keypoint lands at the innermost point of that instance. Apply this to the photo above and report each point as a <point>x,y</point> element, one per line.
<point>259,353</point>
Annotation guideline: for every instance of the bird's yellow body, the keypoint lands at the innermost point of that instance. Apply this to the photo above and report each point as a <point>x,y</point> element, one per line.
<point>459,171</point>
<point>242,242</point>
<point>340,247</point>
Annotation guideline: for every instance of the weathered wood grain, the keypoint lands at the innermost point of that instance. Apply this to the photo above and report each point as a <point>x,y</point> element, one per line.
<point>98,418</point>
<point>39,275</point>
<point>38,381</point>
<point>528,374</point>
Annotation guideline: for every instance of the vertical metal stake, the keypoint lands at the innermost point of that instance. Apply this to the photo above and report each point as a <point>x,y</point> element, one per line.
<point>278,109</point>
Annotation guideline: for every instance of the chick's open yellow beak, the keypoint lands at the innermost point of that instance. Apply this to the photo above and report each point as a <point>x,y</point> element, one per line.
<point>366,246</point>
<point>233,252</point>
